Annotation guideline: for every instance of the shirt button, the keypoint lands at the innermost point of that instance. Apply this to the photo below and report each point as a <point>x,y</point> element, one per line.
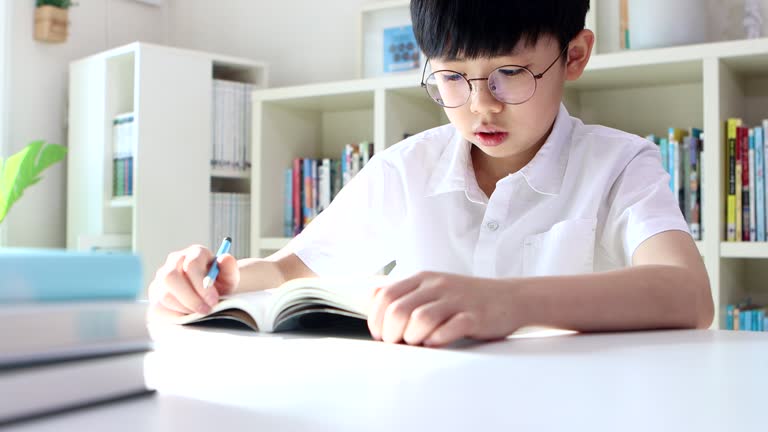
<point>492,225</point>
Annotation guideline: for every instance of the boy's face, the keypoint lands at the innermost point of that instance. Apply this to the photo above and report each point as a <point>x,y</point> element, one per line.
<point>501,130</point>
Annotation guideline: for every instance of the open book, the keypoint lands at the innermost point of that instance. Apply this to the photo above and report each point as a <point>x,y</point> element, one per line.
<point>283,307</point>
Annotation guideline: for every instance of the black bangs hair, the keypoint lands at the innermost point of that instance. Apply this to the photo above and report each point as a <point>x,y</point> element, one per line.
<point>470,29</point>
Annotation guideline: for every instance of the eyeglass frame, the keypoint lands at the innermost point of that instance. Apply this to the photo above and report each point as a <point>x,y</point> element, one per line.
<point>536,78</point>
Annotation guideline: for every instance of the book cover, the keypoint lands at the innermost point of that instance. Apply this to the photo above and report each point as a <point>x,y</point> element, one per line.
<point>31,275</point>
<point>401,53</point>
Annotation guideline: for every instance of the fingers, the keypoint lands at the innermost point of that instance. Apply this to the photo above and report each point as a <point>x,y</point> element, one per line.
<point>383,297</point>
<point>177,283</point>
<point>173,288</point>
<point>425,319</point>
<point>197,261</point>
<point>229,275</point>
<point>460,325</point>
<point>399,314</point>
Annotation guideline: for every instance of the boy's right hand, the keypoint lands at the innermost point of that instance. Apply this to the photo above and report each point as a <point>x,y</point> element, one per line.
<point>177,288</point>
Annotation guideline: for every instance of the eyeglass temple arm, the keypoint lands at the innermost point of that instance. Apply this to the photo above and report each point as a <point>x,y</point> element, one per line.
<point>550,66</point>
<point>423,73</point>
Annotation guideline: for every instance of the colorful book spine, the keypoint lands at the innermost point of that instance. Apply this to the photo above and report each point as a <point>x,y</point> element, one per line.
<point>324,187</point>
<point>694,204</point>
<point>315,190</point>
<point>745,192</point>
<point>752,189</point>
<point>288,204</point>
<point>297,201</point>
<point>729,317</point>
<point>732,126</point>
<point>760,184</point>
<point>685,180</point>
<point>307,189</point>
<point>739,186</point>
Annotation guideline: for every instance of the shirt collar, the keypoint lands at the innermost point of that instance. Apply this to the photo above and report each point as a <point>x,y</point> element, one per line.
<point>544,173</point>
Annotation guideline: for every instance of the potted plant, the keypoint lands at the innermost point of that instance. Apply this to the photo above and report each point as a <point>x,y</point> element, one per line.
<point>52,20</point>
<point>23,169</point>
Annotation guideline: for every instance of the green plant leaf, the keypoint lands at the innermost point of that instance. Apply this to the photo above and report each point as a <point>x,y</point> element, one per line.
<point>23,170</point>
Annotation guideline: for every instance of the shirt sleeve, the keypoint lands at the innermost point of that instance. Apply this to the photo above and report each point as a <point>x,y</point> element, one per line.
<point>641,205</point>
<point>355,234</point>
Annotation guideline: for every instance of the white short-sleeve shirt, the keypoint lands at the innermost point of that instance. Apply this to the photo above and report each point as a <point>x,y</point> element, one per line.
<point>584,203</point>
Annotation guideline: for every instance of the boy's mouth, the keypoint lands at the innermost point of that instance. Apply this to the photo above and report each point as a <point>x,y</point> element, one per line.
<point>491,138</point>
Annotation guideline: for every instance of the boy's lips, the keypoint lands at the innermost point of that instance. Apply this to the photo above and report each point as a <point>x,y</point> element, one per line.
<point>491,139</point>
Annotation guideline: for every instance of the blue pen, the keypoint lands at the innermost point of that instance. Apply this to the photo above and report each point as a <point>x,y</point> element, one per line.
<point>214,271</point>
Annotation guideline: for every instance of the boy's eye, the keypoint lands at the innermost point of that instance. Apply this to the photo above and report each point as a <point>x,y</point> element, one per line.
<point>510,72</point>
<point>452,77</point>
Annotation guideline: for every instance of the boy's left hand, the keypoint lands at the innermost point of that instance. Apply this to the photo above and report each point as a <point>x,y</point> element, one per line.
<point>435,309</point>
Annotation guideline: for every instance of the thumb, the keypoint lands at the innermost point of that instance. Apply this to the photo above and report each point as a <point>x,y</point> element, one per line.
<point>229,275</point>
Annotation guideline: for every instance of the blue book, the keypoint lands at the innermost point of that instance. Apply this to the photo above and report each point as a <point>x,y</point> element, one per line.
<point>49,275</point>
<point>743,320</point>
<point>760,320</point>
<point>729,317</point>
<point>288,207</point>
<point>760,183</point>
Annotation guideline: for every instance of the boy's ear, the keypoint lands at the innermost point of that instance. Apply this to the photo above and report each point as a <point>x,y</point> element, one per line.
<point>579,52</point>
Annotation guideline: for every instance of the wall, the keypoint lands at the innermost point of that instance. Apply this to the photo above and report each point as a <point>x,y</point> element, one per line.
<point>303,41</point>
<point>38,98</point>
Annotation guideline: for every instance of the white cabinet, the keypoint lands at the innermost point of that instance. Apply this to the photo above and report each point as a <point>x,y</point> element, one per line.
<point>169,91</point>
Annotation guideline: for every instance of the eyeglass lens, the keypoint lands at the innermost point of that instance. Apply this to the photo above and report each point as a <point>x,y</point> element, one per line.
<point>508,84</point>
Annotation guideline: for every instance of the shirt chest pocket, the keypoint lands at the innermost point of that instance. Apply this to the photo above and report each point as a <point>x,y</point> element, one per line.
<point>567,248</point>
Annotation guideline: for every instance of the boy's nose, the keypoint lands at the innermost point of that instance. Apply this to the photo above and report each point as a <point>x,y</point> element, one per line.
<point>481,100</point>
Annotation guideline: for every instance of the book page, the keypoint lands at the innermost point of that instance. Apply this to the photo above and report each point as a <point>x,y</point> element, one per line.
<point>248,308</point>
<point>351,295</point>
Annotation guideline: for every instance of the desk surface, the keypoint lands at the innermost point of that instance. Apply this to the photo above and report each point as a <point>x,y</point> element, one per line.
<point>214,380</point>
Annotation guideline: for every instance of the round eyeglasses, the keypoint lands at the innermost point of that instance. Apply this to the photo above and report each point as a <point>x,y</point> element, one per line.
<point>510,84</point>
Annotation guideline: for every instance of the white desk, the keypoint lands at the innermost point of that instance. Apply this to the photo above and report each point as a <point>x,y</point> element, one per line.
<point>225,381</point>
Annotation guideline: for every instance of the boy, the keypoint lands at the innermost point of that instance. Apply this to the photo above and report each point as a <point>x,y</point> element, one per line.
<point>513,214</point>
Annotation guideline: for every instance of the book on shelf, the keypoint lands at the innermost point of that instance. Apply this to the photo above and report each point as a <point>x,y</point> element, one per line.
<point>314,183</point>
<point>289,306</point>
<point>745,205</point>
<point>231,216</point>
<point>681,152</point>
<point>746,316</point>
<point>123,137</point>
<point>231,132</point>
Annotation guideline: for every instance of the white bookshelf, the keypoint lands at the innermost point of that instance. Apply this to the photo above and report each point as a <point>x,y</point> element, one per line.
<point>169,90</point>
<point>641,92</point>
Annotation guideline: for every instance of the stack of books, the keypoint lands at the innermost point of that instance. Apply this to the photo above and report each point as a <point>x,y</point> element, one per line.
<point>73,332</point>
<point>231,134</point>
<point>231,216</point>
<point>746,158</point>
<point>123,138</point>
<point>746,316</point>
<point>312,184</point>
<point>681,156</point>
